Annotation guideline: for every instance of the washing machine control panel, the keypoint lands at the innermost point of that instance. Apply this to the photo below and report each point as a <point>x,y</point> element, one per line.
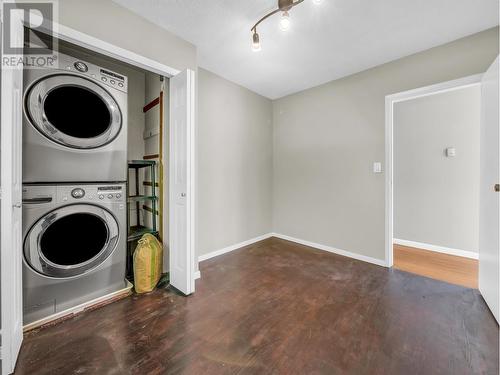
<point>92,193</point>
<point>112,79</point>
<point>114,193</point>
<point>102,75</point>
<point>81,66</point>
<point>78,193</point>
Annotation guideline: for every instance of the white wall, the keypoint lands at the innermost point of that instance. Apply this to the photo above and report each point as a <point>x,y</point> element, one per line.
<point>326,139</point>
<point>234,164</point>
<point>436,198</point>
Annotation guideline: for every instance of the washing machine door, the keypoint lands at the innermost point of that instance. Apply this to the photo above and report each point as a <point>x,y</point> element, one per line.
<point>73,111</point>
<point>71,241</point>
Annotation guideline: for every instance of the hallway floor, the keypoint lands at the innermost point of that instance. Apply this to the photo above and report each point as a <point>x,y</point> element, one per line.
<point>444,267</point>
<point>277,307</point>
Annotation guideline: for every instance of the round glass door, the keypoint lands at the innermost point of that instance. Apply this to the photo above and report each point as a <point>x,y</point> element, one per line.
<point>71,241</point>
<point>73,111</point>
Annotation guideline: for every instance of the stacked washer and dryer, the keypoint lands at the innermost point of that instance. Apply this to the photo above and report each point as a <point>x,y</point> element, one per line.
<point>74,186</point>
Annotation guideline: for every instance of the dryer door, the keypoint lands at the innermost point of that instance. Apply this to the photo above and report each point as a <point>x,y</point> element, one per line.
<point>71,241</point>
<point>73,111</point>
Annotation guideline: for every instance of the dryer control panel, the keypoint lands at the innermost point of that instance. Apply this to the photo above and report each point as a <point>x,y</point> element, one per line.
<point>102,75</point>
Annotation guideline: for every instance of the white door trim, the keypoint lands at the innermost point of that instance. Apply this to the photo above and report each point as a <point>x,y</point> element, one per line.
<point>181,181</point>
<point>11,315</point>
<point>489,199</point>
<point>390,100</point>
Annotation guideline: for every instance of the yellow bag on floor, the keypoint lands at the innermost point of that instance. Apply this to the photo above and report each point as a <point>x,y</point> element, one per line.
<point>148,263</point>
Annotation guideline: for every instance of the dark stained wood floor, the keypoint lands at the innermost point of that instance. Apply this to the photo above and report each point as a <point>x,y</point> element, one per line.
<point>279,308</point>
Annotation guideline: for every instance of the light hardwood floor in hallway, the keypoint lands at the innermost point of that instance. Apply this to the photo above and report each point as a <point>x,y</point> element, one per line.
<point>444,267</point>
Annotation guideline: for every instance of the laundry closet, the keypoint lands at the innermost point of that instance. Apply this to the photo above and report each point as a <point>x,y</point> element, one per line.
<point>94,180</point>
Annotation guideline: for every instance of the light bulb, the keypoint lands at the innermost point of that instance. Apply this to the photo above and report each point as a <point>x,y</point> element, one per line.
<point>317,1</point>
<point>256,42</point>
<point>285,21</point>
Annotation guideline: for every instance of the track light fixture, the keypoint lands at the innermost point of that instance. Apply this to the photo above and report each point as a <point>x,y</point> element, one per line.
<point>284,7</point>
<point>285,21</point>
<point>256,42</point>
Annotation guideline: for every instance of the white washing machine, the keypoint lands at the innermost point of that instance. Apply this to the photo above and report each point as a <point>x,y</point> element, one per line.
<point>74,245</point>
<point>75,123</point>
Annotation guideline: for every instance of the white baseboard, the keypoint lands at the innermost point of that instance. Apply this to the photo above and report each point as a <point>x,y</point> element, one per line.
<point>228,249</point>
<point>438,249</point>
<point>78,309</point>
<point>364,258</point>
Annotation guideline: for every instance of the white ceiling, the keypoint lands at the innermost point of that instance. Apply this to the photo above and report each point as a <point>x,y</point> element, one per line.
<point>327,41</point>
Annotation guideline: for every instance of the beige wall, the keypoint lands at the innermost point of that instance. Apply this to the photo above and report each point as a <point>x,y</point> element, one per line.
<point>234,186</point>
<point>115,24</point>
<point>436,198</point>
<point>326,139</point>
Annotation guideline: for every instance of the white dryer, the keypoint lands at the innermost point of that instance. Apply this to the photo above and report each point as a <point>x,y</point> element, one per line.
<point>75,123</point>
<point>74,245</point>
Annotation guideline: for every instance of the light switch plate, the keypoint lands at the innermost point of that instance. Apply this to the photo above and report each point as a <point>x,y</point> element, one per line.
<point>451,152</point>
<point>377,167</point>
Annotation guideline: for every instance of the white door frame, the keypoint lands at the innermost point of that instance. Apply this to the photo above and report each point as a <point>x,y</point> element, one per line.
<point>11,206</point>
<point>181,181</point>
<point>489,199</point>
<point>390,100</point>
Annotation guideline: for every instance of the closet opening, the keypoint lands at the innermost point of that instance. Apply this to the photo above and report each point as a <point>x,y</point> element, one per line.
<point>147,146</point>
